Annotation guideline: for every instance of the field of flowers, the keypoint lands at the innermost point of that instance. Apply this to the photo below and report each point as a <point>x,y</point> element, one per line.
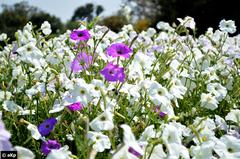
<point>92,93</point>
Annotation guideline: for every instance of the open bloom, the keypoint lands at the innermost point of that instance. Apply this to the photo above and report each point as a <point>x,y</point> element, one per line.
<point>119,49</point>
<point>113,73</point>
<point>49,145</point>
<point>99,141</point>
<point>103,122</point>
<point>80,35</point>
<point>227,26</point>
<point>81,62</point>
<point>47,126</point>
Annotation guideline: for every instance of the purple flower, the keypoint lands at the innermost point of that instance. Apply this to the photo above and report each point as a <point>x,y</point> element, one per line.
<point>162,114</point>
<point>49,145</point>
<point>119,49</point>
<point>5,144</point>
<point>113,73</point>
<point>47,126</point>
<point>81,62</point>
<point>134,152</point>
<point>75,106</point>
<point>80,35</point>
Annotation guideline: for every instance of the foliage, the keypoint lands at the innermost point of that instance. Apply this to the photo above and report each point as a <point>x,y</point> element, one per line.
<point>89,11</point>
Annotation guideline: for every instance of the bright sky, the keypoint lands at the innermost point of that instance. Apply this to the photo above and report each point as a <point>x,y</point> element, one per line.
<point>64,8</point>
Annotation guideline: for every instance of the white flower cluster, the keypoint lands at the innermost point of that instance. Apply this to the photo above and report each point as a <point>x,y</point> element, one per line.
<point>179,98</point>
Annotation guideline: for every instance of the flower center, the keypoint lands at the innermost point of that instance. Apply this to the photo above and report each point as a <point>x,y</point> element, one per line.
<point>82,92</point>
<point>103,118</point>
<point>111,72</point>
<point>230,150</point>
<point>80,34</point>
<point>119,52</point>
<point>160,93</point>
<point>47,126</point>
<point>29,49</point>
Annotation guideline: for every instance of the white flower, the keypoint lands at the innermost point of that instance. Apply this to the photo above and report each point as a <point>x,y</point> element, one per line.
<point>11,106</point>
<point>103,122</point>
<point>188,22</point>
<point>149,132</point>
<point>34,131</point>
<point>79,93</point>
<point>24,153</point>
<point>177,89</point>
<point>46,28</point>
<point>96,87</point>
<point>131,149</point>
<point>171,135</point>
<point>31,54</point>
<point>158,94</point>
<point>218,90</point>
<point>177,151</point>
<point>228,147</point>
<point>100,142</point>
<point>220,123</point>
<point>208,101</point>
<point>203,151</point>
<point>164,26</point>
<point>158,152</point>
<point>3,37</point>
<point>233,115</point>
<point>227,26</point>
<point>62,153</point>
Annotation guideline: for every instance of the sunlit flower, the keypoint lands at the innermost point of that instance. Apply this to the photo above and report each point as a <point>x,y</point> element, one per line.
<point>113,73</point>
<point>119,49</point>
<point>80,35</point>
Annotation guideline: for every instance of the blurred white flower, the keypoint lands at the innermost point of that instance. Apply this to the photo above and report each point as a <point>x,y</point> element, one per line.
<point>24,153</point>
<point>62,153</point>
<point>34,131</point>
<point>188,22</point>
<point>233,115</point>
<point>46,28</point>
<point>228,147</point>
<point>3,37</point>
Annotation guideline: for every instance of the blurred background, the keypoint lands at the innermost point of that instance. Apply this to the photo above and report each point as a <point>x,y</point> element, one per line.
<point>66,14</point>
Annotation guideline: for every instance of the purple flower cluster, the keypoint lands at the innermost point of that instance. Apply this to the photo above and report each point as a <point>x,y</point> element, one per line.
<point>113,73</point>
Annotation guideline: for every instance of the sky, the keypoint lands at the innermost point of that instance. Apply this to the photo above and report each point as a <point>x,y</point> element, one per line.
<point>64,9</point>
